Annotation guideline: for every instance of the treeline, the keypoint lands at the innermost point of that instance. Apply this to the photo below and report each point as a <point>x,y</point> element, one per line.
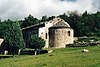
<point>85,24</point>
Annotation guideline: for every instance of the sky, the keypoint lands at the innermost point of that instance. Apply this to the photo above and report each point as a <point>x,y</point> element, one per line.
<point>18,9</point>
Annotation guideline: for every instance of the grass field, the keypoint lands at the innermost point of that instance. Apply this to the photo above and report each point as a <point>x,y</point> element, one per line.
<point>64,57</point>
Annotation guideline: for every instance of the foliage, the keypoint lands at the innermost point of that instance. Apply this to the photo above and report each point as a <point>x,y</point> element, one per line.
<point>45,18</point>
<point>11,32</point>
<point>28,21</point>
<point>36,42</point>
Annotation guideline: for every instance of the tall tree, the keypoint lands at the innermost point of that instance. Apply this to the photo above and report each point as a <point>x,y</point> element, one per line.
<point>12,35</point>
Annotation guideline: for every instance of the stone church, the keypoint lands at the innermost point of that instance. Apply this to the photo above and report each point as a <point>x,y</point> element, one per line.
<point>56,33</point>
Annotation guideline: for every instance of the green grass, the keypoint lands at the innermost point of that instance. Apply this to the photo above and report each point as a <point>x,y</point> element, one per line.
<point>64,57</point>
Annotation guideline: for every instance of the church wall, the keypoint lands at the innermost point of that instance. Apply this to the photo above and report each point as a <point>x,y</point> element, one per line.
<point>60,37</point>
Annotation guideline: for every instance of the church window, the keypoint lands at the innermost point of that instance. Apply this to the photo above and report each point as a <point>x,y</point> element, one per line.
<point>68,33</point>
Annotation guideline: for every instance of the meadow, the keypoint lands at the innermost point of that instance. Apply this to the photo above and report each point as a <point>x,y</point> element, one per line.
<point>63,57</point>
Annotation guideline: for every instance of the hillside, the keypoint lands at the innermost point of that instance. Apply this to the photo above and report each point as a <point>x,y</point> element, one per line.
<point>64,57</point>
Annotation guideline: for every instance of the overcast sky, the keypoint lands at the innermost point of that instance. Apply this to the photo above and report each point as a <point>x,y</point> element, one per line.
<point>18,9</point>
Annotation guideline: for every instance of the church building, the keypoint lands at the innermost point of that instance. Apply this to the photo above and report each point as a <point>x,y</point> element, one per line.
<point>56,33</point>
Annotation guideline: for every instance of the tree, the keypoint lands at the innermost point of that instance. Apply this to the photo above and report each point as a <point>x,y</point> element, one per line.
<point>36,43</point>
<point>11,32</point>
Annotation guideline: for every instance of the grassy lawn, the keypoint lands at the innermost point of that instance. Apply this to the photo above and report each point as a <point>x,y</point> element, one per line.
<point>64,57</point>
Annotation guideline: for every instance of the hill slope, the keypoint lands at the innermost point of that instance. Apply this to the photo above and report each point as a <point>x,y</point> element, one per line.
<point>64,57</point>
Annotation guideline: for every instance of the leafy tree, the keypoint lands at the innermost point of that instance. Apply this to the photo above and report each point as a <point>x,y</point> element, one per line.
<point>45,18</point>
<point>36,43</point>
<point>11,32</point>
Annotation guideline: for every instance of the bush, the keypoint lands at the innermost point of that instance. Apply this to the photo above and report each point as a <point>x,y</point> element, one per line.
<point>36,43</point>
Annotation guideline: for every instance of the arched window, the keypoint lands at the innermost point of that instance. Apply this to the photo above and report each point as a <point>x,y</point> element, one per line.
<point>68,33</point>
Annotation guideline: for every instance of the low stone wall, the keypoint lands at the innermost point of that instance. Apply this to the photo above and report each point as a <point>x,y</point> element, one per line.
<point>83,45</point>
